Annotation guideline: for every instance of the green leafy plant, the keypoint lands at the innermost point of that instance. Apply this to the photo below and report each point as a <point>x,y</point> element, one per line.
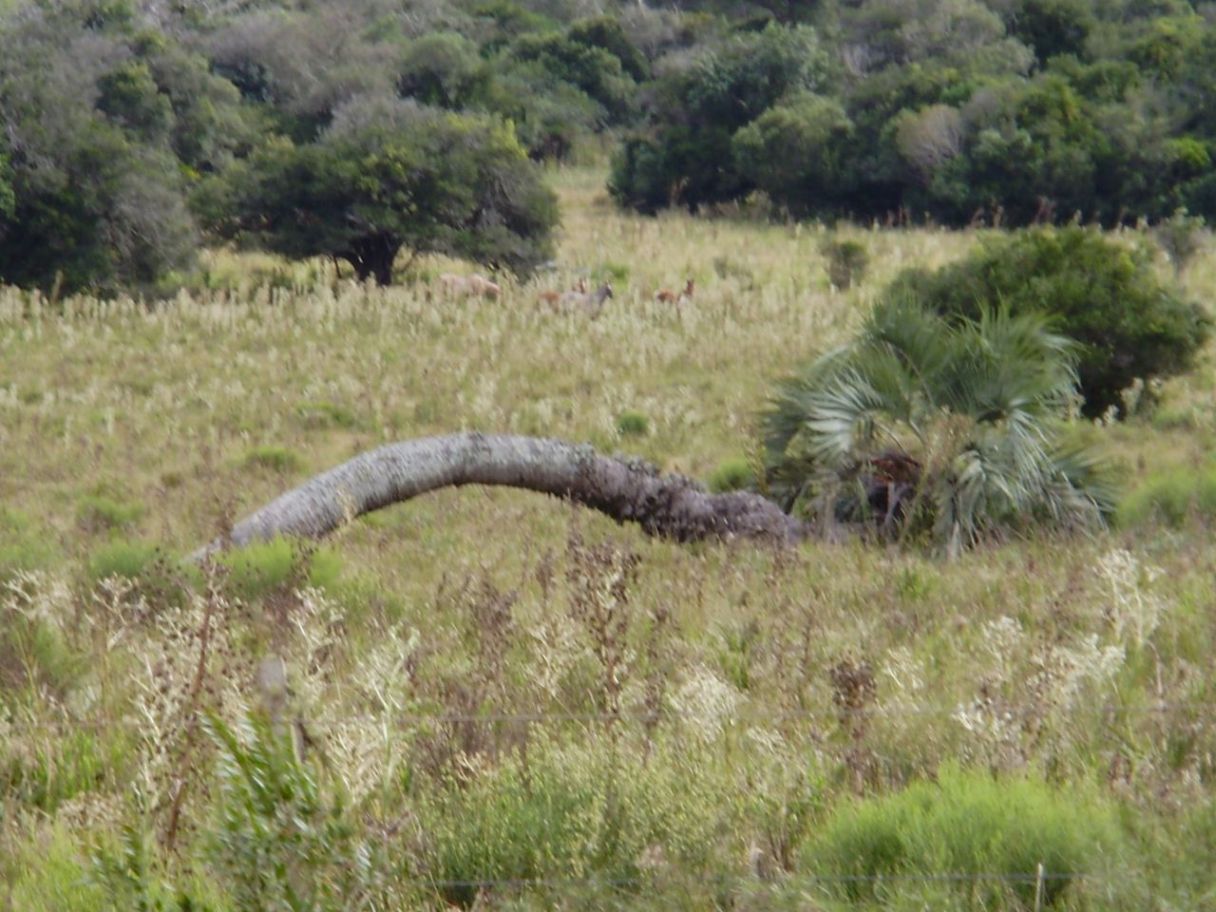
<point>1181,236</point>
<point>280,838</point>
<point>99,512</point>
<point>1171,498</point>
<point>260,568</point>
<point>632,424</point>
<point>732,475</point>
<point>970,826</point>
<point>22,546</point>
<point>276,458</point>
<point>125,558</point>
<point>1094,290</point>
<point>946,426</point>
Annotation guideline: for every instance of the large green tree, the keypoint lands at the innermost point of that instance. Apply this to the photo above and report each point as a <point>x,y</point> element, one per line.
<point>387,175</point>
<point>105,124</point>
<point>1099,293</point>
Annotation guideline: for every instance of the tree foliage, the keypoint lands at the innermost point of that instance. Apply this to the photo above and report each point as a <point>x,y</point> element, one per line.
<point>386,175</point>
<point>685,153</point>
<point>1095,291</point>
<point>955,110</point>
<point>95,194</point>
<point>998,112</point>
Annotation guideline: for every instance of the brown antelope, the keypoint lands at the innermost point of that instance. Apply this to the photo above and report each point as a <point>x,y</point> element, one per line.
<point>589,303</point>
<point>667,296</point>
<point>553,296</point>
<point>459,286</point>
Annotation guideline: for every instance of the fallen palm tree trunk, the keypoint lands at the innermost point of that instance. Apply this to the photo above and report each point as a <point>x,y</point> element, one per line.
<point>668,506</point>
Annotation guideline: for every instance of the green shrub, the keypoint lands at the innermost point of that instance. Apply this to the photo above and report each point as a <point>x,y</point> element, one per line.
<point>1172,498</point>
<point>159,577</point>
<point>36,659</point>
<point>1094,290</point>
<point>965,824</point>
<point>22,547</point>
<point>847,262</point>
<point>632,424</point>
<point>282,840</point>
<point>688,157</point>
<point>570,812</point>
<point>261,568</point>
<point>325,415</point>
<point>52,876</point>
<point>133,875</point>
<point>797,153</point>
<point>441,69</point>
<point>47,772</point>
<point>276,458</point>
<point>732,475</point>
<point>123,558</point>
<point>103,513</point>
<point>611,272</point>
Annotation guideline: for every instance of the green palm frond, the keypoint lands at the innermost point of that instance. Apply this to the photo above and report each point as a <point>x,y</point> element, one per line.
<point>975,406</point>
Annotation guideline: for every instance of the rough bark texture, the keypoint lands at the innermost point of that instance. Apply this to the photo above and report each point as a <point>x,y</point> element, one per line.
<point>669,506</point>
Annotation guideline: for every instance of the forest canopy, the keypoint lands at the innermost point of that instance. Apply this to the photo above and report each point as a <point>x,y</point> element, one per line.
<point>122,119</point>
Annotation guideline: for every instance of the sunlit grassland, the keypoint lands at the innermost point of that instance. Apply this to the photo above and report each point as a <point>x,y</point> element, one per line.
<point>1085,661</point>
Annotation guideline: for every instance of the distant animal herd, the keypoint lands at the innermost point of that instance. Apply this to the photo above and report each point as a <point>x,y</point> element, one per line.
<point>578,299</point>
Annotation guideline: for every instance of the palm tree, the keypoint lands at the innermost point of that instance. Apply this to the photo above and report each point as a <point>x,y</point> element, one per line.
<point>925,425</point>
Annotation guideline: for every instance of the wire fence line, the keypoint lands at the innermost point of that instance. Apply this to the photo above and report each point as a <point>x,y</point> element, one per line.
<point>1017,877</point>
<point>1008,711</point>
<point>802,882</point>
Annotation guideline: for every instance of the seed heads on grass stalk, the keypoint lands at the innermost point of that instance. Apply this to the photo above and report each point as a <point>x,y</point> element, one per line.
<point>600,579</point>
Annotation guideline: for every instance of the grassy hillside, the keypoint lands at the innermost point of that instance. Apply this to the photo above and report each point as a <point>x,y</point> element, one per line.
<point>491,686</point>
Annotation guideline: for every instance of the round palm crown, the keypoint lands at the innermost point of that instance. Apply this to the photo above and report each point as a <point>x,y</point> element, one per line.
<point>947,427</point>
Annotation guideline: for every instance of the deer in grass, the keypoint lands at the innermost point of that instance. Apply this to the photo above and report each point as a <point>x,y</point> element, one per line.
<point>667,296</point>
<point>459,286</point>
<point>552,296</point>
<point>590,303</point>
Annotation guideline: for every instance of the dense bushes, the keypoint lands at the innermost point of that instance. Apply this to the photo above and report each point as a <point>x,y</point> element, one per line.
<point>697,110</point>
<point>1171,498</point>
<point>958,112</point>
<point>1095,291</point>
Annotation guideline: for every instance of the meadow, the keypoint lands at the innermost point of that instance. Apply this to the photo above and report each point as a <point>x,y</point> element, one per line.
<point>491,697</point>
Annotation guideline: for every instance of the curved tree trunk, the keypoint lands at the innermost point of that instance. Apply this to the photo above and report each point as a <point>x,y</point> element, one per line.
<point>669,506</point>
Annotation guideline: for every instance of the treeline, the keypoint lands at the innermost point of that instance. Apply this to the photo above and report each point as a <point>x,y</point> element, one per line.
<point>133,129</point>
<point>962,111</point>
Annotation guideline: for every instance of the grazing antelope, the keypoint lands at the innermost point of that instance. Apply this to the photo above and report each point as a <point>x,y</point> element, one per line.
<point>667,296</point>
<point>553,296</point>
<point>459,286</point>
<point>588,303</point>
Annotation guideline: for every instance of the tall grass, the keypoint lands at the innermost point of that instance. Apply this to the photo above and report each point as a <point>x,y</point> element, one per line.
<point>491,685</point>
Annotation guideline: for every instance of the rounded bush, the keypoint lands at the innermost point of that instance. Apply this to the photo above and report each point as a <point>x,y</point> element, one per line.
<point>632,424</point>
<point>261,568</point>
<point>1096,291</point>
<point>732,475</point>
<point>1171,498</point>
<point>965,824</point>
<point>122,558</point>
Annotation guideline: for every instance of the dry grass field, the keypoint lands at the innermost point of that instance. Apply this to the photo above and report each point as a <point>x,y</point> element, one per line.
<point>490,697</point>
